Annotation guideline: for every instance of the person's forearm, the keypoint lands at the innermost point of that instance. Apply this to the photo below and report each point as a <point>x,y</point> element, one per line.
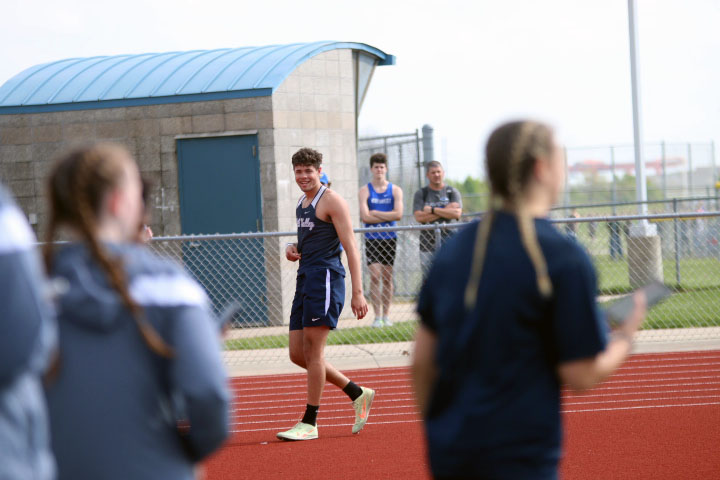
<point>614,355</point>
<point>424,217</point>
<point>450,213</point>
<point>354,266</point>
<point>387,216</point>
<point>370,218</point>
<point>423,368</point>
<point>587,373</point>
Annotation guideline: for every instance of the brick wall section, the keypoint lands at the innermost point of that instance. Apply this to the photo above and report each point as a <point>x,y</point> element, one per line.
<point>29,144</point>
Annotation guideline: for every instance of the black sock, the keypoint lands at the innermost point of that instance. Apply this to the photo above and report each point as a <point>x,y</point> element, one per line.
<point>352,390</point>
<point>310,416</point>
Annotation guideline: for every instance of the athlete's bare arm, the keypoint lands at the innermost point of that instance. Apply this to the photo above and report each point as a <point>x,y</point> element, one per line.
<point>333,208</point>
<point>365,214</point>
<point>585,373</point>
<point>397,211</point>
<point>424,371</point>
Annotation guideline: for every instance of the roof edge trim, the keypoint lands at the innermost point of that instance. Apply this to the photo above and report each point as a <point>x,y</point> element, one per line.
<point>136,102</point>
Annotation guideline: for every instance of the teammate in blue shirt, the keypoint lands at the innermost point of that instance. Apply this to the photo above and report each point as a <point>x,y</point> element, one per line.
<point>323,223</point>
<point>381,205</point>
<point>139,389</point>
<point>508,314</point>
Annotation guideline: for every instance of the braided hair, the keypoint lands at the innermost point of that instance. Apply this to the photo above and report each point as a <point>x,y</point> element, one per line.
<point>511,153</point>
<point>77,187</point>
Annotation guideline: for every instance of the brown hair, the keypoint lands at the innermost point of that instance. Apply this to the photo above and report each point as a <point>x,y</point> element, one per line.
<point>378,158</point>
<point>77,185</point>
<point>307,156</point>
<point>510,155</point>
<point>432,164</point>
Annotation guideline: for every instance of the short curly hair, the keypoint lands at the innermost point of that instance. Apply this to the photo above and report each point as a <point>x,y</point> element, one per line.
<point>307,156</point>
<point>378,158</point>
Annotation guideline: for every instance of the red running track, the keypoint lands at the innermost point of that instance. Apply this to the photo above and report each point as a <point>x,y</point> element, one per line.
<point>657,418</point>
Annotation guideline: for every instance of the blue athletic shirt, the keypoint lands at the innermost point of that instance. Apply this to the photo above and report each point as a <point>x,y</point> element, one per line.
<point>382,202</point>
<point>318,242</point>
<point>494,411</point>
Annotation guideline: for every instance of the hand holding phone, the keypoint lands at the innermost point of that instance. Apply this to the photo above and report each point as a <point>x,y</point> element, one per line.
<point>619,311</point>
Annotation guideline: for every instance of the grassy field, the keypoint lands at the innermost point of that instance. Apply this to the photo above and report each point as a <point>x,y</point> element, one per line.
<point>696,303</point>
<point>695,273</point>
<point>400,332</point>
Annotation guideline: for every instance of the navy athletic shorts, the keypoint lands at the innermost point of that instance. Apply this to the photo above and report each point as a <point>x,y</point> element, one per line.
<point>319,299</point>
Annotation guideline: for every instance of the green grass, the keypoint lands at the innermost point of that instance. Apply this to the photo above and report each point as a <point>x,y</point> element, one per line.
<point>697,308</point>
<point>400,332</point>
<point>695,274</point>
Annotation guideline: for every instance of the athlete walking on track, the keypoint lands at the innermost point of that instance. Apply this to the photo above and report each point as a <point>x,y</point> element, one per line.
<point>323,224</point>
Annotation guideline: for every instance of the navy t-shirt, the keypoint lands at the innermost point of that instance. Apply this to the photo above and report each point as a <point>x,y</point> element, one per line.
<point>495,408</point>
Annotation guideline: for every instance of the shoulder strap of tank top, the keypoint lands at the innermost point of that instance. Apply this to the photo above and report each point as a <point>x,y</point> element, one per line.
<point>318,195</point>
<point>300,201</point>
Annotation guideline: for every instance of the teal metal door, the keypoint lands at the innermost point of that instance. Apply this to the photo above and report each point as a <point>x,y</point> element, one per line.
<point>219,189</point>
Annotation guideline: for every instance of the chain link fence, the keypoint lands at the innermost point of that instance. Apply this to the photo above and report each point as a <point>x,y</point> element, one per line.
<point>250,271</point>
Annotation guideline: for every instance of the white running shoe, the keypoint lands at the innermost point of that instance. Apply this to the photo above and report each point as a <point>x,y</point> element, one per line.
<point>301,431</point>
<point>387,321</point>
<point>378,322</point>
<point>362,406</point>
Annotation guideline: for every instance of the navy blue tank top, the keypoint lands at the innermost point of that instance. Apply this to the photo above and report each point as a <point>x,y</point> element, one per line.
<point>318,242</point>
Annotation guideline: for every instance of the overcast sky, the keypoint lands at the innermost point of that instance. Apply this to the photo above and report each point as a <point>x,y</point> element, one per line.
<point>462,66</point>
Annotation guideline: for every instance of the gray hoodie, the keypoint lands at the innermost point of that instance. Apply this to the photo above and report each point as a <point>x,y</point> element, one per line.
<point>114,404</point>
<point>27,335</point>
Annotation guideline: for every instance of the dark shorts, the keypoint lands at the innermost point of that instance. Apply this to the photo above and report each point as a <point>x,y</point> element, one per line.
<point>319,299</point>
<point>381,250</point>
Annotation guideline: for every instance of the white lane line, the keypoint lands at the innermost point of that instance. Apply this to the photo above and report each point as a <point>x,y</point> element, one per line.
<point>610,409</point>
<point>660,392</point>
<point>653,383</point>
<point>302,392</point>
<point>284,405</point>
<point>654,399</point>
<point>322,426</point>
<point>646,374</point>
<point>303,385</point>
<point>322,418</point>
<point>301,376</point>
<point>324,411</point>
<point>655,367</point>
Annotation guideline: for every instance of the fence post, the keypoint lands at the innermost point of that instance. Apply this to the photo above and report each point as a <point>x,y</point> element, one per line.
<point>690,169</point>
<point>428,146</point>
<point>664,169</point>
<point>677,246</point>
<point>438,237</point>
<point>613,191</point>
<point>419,160</point>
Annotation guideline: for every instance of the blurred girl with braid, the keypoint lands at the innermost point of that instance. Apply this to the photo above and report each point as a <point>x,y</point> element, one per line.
<point>138,348</point>
<point>508,315</point>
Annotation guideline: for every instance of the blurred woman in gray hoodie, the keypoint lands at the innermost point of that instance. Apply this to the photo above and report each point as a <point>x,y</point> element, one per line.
<point>27,335</point>
<point>138,347</point>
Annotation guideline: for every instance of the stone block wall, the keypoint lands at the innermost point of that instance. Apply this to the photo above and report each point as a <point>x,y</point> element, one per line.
<point>29,143</point>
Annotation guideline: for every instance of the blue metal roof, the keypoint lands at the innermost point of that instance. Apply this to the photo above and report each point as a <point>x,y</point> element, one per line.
<point>154,78</point>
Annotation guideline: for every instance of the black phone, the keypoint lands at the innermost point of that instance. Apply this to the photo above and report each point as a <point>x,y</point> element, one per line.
<point>619,310</point>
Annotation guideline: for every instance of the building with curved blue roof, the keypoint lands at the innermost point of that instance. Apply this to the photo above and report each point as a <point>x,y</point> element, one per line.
<point>155,78</point>
<point>213,130</point>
